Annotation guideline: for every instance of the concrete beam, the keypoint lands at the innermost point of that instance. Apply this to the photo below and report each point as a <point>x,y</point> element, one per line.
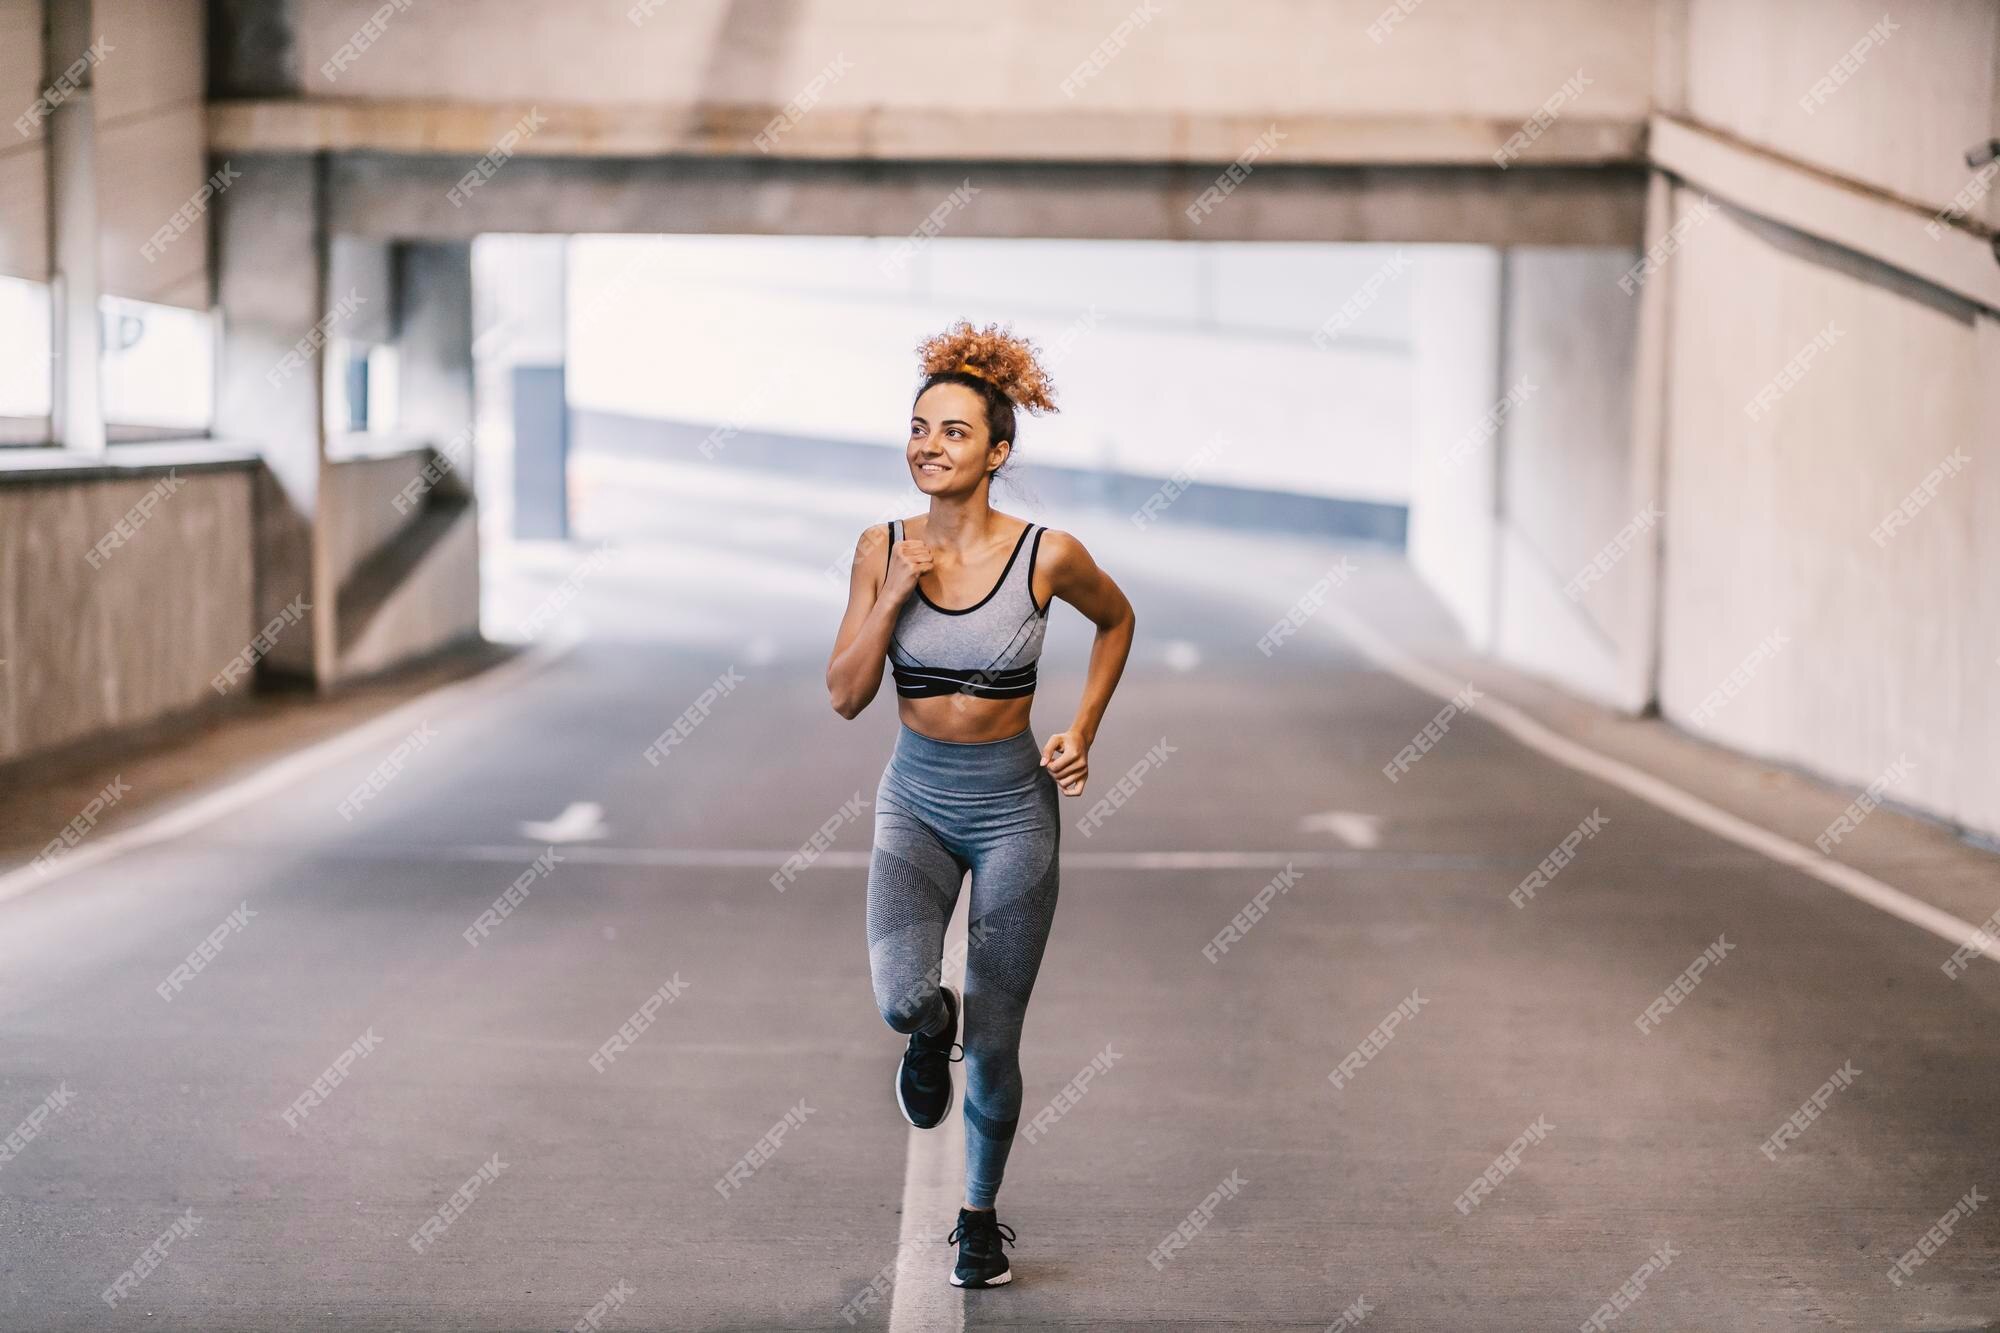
<point>904,134</point>
<point>407,196</point>
<point>1956,257</point>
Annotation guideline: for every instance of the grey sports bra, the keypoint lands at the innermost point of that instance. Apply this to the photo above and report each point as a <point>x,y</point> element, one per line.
<point>987,650</point>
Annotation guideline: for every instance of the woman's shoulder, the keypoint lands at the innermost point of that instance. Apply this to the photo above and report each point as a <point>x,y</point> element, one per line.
<point>872,546</point>
<point>1058,545</point>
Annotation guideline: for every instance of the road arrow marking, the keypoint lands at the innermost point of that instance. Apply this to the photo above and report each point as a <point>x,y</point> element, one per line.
<point>583,821</point>
<point>1356,830</point>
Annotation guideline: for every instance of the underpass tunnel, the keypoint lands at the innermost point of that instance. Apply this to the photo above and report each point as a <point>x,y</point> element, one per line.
<point>1215,389</point>
<point>1190,388</point>
<point>1550,455</point>
<point>1590,397</point>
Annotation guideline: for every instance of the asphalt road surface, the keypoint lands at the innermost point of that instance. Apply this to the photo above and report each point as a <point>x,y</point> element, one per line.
<point>351,1115</point>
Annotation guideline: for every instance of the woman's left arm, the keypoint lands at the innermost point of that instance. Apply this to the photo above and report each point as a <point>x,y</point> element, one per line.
<point>1075,577</point>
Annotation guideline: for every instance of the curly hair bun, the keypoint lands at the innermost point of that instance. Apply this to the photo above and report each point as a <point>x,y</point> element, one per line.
<point>994,354</point>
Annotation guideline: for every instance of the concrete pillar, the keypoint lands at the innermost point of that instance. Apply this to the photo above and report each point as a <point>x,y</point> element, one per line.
<point>1639,668</point>
<point>1639,664</point>
<point>77,404</point>
<point>434,322</point>
<point>1567,524</point>
<point>522,293</point>
<point>1455,494</point>
<point>271,275</point>
<point>1527,474</point>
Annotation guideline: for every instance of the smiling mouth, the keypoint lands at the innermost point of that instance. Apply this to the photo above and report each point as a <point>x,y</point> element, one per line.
<point>931,467</point>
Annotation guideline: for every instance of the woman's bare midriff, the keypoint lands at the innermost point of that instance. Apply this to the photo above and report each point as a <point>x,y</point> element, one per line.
<point>965,717</point>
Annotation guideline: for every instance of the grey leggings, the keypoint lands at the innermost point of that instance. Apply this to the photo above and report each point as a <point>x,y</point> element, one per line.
<point>944,808</point>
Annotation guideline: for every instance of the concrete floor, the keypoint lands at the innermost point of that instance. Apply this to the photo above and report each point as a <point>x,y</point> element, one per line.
<point>608,1177</point>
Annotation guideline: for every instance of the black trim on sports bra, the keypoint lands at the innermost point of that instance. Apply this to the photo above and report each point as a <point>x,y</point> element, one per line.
<point>1034,551</point>
<point>889,555</point>
<point>929,682</point>
<point>997,583</point>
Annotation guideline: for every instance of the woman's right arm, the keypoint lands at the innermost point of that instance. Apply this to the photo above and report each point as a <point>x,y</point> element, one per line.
<point>854,673</point>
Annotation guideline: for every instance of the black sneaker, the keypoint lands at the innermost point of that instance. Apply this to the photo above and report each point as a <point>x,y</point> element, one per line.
<point>923,1081</point>
<point>981,1261</point>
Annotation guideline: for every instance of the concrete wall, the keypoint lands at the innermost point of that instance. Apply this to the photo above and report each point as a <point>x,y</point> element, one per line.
<point>360,514</point>
<point>148,156</point>
<point>435,608</point>
<point>151,150</point>
<point>1923,92</point>
<point>1891,646</point>
<point>1758,609</point>
<point>137,639</point>
<point>1805,390</point>
<point>1250,58</point>
<point>24,167</point>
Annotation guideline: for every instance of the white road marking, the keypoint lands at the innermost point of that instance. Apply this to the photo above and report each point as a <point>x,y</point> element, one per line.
<point>1552,744</point>
<point>924,1301</point>
<point>1356,830</point>
<point>275,776</point>
<point>581,821</point>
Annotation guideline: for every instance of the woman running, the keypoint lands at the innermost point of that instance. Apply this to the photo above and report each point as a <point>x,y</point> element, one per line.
<point>955,600</point>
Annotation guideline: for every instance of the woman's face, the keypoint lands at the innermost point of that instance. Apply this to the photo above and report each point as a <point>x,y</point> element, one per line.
<point>949,453</point>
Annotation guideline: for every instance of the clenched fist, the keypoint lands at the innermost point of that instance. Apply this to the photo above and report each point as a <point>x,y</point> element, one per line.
<point>909,560</point>
<point>1067,757</point>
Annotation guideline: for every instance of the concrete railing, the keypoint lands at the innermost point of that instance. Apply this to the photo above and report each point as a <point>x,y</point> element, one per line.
<point>128,582</point>
<point>126,589</point>
<point>400,537</point>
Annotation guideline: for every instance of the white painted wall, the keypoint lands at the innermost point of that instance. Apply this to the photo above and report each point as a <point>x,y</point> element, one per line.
<point>1155,347</point>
